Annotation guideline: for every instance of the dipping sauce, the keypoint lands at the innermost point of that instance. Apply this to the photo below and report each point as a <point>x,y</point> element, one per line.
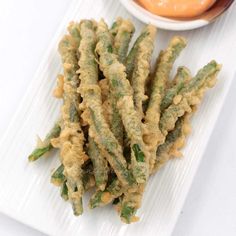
<point>177,8</point>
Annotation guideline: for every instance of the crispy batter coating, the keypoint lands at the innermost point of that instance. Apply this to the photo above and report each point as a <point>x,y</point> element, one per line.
<point>114,130</point>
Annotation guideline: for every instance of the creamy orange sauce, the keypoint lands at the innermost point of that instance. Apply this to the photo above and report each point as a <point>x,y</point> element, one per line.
<point>177,8</point>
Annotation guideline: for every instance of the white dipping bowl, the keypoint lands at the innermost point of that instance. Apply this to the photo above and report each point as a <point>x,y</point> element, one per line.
<point>164,22</point>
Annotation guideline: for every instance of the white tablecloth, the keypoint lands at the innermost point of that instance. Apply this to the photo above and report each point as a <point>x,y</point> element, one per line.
<point>26,29</point>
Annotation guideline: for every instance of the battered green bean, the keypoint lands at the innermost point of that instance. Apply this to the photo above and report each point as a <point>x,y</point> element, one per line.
<point>130,60</point>
<point>102,198</point>
<point>99,165</point>
<point>122,91</point>
<point>112,150</point>
<point>174,140</point>
<point>208,72</point>
<point>112,191</point>
<point>130,207</point>
<point>181,140</point>
<point>74,31</point>
<point>122,39</point>
<point>153,138</point>
<point>88,175</point>
<point>188,96</point>
<point>71,137</point>
<point>130,203</point>
<point>163,150</point>
<point>205,78</point>
<point>91,93</point>
<point>119,124</point>
<point>88,180</point>
<point>115,26</point>
<point>64,191</point>
<point>142,68</point>
<point>183,75</point>
<point>125,30</point>
<point>46,145</point>
<point>58,177</point>
<point>116,121</point>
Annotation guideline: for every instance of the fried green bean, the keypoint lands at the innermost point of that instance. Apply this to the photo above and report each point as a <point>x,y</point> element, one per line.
<point>130,60</point>
<point>174,141</point>
<point>115,26</point>
<point>112,150</point>
<point>130,203</point>
<point>122,91</point>
<point>165,62</point>
<point>99,165</point>
<point>120,87</point>
<point>46,145</point>
<point>74,31</point>
<point>89,183</point>
<point>183,75</point>
<point>112,191</point>
<point>194,91</point>
<point>102,198</point>
<point>181,140</point>
<point>64,191</point>
<point>119,123</point>
<point>142,68</point>
<point>188,96</point>
<point>122,39</point>
<point>116,121</point>
<point>208,72</point>
<point>163,150</point>
<point>110,109</point>
<point>71,137</point>
<point>58,177</point>
<point>88,180</point>
<point>91,93</point>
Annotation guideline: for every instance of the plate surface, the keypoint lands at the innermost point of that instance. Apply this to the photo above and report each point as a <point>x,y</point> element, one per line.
<point>26,193</point>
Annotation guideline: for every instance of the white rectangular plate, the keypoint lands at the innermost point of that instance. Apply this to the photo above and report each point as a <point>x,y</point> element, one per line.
<point>26,192</point>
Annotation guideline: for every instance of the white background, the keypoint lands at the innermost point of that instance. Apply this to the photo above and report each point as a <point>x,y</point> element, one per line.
<point>26,29</point>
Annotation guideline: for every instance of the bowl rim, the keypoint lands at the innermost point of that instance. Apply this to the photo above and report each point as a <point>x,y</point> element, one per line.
<point>161,22</point>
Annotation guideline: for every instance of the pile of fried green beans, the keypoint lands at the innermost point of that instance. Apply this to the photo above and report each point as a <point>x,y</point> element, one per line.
<point>120,120</point>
